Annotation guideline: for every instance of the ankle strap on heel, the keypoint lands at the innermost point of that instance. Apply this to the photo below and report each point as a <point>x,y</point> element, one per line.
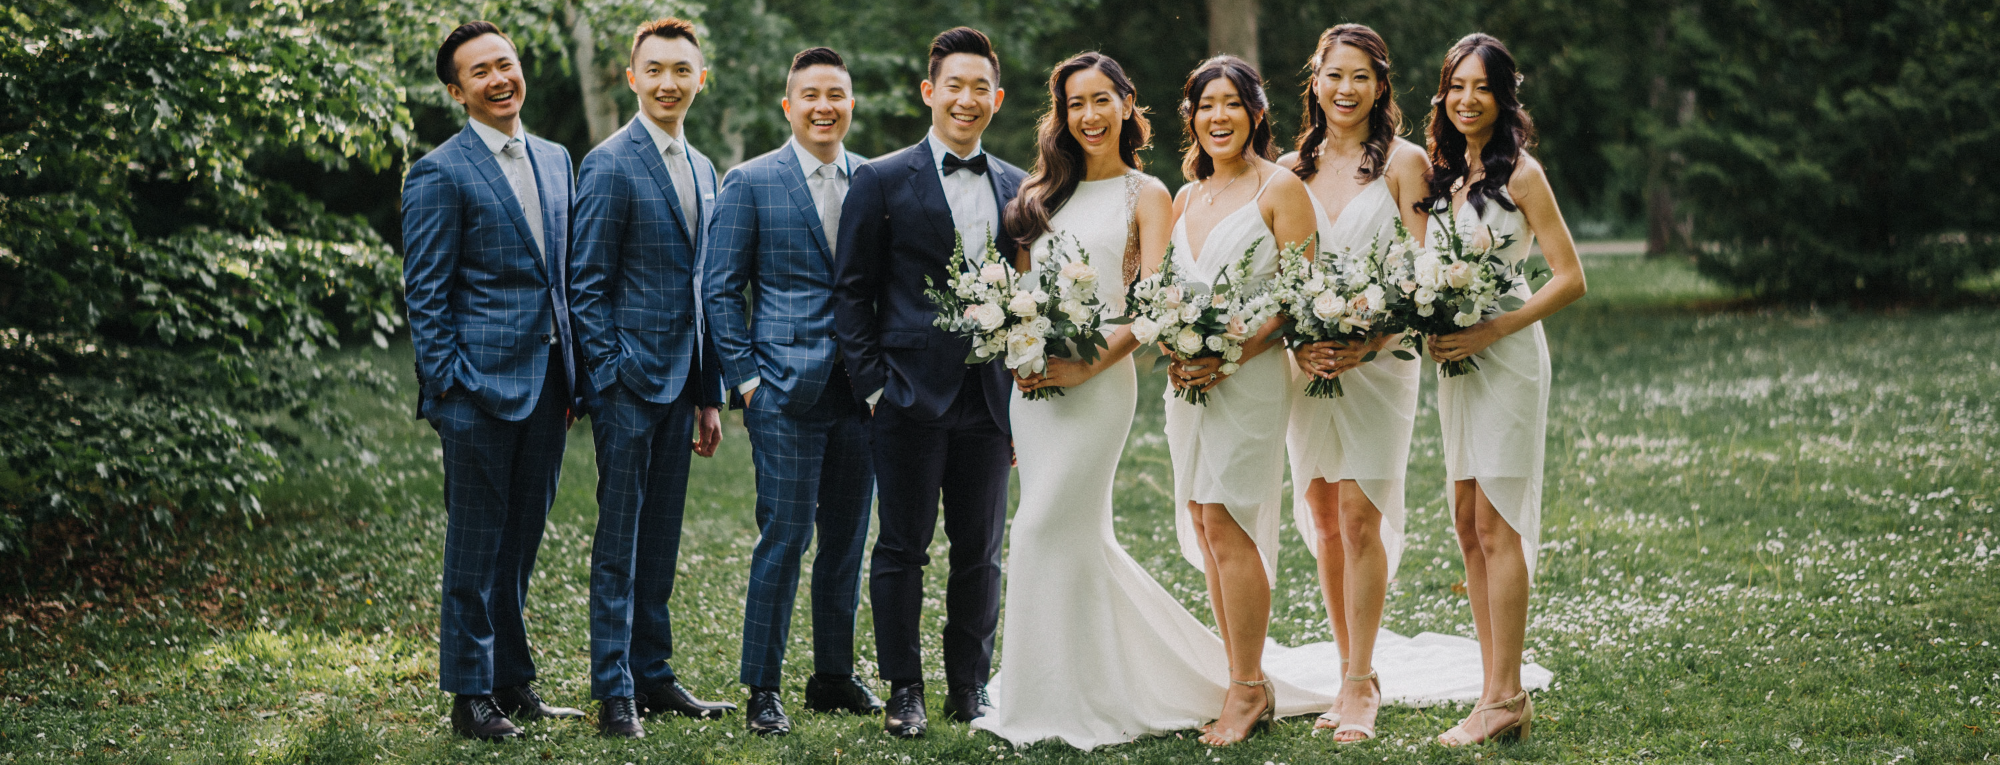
<point>1359,678</point>
<point>1252,683</point>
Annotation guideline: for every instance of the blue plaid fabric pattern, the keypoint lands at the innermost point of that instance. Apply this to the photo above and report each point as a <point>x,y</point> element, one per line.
<point>809,439</point>
<point>642,472</point>
<point>766,236</point>
<point>633,281</point>
<point>481,300</point>
<point>634,296</point>
<point>495,382</point>
<point>814,472</point>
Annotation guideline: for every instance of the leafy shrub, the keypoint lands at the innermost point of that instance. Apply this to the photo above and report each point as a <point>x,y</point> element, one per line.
<point>164,309</point>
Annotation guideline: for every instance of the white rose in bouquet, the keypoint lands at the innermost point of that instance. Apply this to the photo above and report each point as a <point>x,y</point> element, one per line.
<point>992,273</point>
<point>1425,296</point>
<point>1172,296</point>
<point>1218,300</point>
<point>1146,330</point>
<point>989,315</point>
<point>1235,353</point>
<point>1466,319</point>
<point>1328,306</point>
<point>1430,270</point>
<point>1426,309</point>
<point>1481,241</point>
<point>1235,331</point>
<point>1079,272</point>
<point>1458,275</point>
<point>1023,305</point>
<point>1024,349</point>
<point>1187,341</point>
<point>1215,342</point>
<point>1072,308</point>
<point>1230,368</point>
<point>1375,295</point>
<point>1190,312</point>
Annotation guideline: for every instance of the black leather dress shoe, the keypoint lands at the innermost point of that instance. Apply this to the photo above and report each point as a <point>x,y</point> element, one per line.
<point>478,717</point>
<point>764,714</point>
<point>906,718</point>
<point>968,703</point>
<point>619,718</point>
<point>521,702</point>
<point>840,693</point>
<point>672,698</point>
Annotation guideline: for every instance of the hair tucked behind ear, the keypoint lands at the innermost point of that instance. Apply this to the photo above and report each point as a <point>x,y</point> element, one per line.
<point>1513,131</point>
<point>1385,120</point>
<point>1059,160</point>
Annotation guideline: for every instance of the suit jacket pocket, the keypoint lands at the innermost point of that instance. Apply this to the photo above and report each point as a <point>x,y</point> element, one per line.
<point>778,332</point>
<point>491,348</point>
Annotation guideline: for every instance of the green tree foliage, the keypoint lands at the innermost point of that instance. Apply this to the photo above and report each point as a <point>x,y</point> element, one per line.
<point>1842,148</point>
<point>166,308</point>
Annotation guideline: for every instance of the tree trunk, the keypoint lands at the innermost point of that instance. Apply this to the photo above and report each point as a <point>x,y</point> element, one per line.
<point>596,83</point>
<point>1232,28</point>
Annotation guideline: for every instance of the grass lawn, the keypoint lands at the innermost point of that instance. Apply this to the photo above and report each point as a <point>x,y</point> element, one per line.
<point>1768,538</point>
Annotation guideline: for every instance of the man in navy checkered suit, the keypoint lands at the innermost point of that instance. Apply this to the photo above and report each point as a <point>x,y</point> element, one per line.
<point>940,425</point>
<point>776,222</point>
<point>643,199</point>
<point>485,231</point>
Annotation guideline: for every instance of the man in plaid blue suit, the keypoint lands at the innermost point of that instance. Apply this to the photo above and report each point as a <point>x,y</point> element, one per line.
<point>485,229</point>
<point>776,221</point>
<point>642,204</point>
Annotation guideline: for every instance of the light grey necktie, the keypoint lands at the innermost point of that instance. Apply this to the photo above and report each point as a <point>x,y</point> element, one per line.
<point>683,175</point>
<point>521,175</point>
<point>829,200</point>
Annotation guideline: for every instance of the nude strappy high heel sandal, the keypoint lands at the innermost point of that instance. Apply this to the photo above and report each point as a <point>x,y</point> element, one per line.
<point>1459,736</point>
<point>1330,719</point>
<point>1367,731</point>
<point>1263,721</point>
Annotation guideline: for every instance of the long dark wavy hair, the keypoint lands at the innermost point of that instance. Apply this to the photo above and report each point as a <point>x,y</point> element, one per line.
<point>1195,162</point>
<point>1513,131</point>
<point>1059,158</point>
<point>1385,120</point>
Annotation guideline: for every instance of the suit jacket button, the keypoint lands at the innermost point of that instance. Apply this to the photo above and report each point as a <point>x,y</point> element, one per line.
<point>548,339</point>
<point>690,319</point>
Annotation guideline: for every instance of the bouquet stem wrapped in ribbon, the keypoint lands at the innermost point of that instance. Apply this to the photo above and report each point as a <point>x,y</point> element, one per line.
<point>1021,316</point>
<point>1195,320</point>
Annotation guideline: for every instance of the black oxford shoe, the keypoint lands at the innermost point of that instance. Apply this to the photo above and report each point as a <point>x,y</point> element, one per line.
<point>478,717</point>
<point>764,714</point>
<point>672,698</point>
<point>906,718</point>
<point>968,703</point>
<point>521,702</point>
<point>619,718</point>
<point>840,693</point>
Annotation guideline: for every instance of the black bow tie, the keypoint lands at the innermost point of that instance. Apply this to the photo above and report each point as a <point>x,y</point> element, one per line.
<point>953,164</point>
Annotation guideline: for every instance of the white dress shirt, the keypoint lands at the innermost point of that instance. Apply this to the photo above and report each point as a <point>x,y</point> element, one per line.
<point>520,172</point>
<point>974,211</point>
<point>817,184</point>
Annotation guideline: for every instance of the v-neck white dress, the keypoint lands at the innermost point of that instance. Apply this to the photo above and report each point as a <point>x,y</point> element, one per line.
<point>1496,420</point>
<point>1231,451</point>
<point>1364,435</point>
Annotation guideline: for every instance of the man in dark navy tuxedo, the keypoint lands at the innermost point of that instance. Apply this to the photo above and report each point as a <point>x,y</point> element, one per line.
<point>940,425</point>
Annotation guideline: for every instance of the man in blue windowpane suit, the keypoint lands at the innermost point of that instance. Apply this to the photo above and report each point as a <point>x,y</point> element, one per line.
<point>643,199</point>
<point>776,222</point>
<point>485,229</point>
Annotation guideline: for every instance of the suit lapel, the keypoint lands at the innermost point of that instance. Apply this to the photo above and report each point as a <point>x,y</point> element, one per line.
<point>552,175</point>
<point>489,169</point>
<point>793,176</point>
<point>1003,187</point>
<point>656,165</point>
<point>930,193</point>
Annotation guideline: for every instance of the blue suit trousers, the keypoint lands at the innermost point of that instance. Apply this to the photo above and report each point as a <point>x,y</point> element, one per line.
<point>814,470</point>
<point>499,480</point>
<point>643,450</point>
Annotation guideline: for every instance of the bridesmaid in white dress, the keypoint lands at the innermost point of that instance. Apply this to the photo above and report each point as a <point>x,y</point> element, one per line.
<point>1229,455</point>
<point>1349,454</point>
<point>1495,419</point>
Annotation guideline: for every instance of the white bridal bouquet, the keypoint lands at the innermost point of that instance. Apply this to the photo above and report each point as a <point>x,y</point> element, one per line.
<point>1455,282</point>
<point>1343,295</point>
<point>1020,316</point>
<point>1196,320</point>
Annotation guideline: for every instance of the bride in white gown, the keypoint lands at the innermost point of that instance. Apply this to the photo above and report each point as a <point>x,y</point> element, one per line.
<point>1100,652</point>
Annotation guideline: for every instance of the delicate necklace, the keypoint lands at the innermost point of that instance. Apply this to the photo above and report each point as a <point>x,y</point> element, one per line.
<point>1210,198</point>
